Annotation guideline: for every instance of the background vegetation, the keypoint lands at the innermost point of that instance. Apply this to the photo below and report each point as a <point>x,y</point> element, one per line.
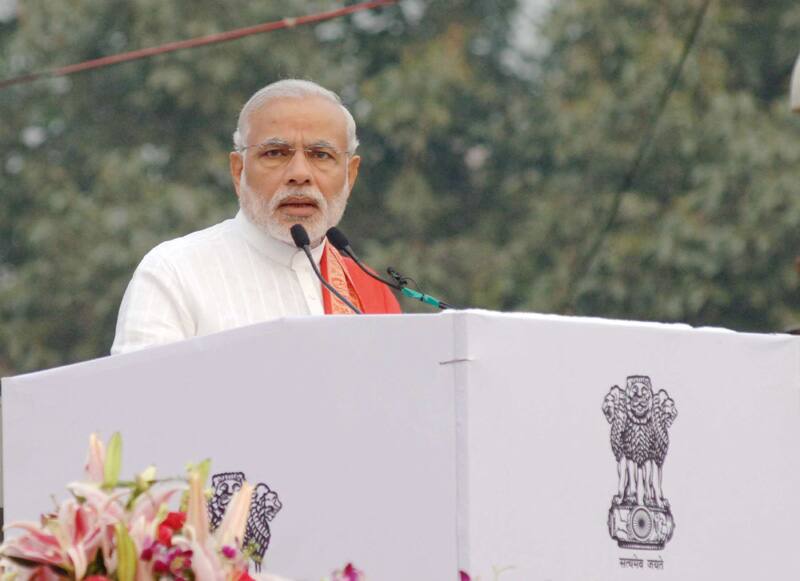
<point>498,141</point>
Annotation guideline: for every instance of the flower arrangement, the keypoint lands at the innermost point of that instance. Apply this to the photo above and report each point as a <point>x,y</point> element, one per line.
<point>114,530</point>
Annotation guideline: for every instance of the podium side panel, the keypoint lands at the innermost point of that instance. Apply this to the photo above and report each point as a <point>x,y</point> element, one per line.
<point>542,473</point>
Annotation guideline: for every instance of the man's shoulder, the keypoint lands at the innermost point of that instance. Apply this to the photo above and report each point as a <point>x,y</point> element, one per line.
<point>197,243</point>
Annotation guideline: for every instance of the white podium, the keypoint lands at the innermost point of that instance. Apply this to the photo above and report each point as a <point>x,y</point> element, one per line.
<point>418,445</point>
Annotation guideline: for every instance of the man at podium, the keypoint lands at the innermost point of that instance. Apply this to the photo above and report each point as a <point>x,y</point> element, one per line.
<point>293,162</point>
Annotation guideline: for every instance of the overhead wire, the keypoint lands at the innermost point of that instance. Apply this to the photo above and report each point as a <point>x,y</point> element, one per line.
<point>191,43</point>
<point>585,261</point>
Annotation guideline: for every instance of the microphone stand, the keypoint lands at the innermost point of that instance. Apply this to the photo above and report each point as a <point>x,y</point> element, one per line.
<point>340,242</point>
<point>300,237</point>
<point>402,282</point>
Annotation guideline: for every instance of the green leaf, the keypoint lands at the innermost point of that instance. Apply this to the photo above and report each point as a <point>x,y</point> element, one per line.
<point>203,470</point>
<point>126,570</point>
<point>113,463</point>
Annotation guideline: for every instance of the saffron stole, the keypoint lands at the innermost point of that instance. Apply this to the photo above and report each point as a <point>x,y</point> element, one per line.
<point>334,271</point>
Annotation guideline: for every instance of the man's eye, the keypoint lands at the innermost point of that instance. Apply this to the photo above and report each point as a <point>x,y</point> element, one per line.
<point>275,152</point>
<point>321,154</point>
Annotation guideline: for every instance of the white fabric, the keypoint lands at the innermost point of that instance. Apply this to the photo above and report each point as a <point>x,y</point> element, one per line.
<point>229,275</point>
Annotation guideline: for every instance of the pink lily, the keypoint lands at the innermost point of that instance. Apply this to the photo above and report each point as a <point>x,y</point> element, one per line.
<point>109,510</point>
<point>95,461</point>
<point>110,554</point>
<point>79,531</point>
<point>109,505</point>
<point>69,540</point>
<point>34,545</point>
<point>42,574</point>
<point>142,521</point>
<point>231,531</point>
<point>149,503</point>
<point>206,563</point>
<point>197,511</point>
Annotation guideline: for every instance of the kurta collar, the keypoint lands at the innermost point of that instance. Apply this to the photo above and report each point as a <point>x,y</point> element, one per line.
<point>276,250</point>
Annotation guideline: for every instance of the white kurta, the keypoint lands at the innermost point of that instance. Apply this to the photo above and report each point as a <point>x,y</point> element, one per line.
<point>229,275</point>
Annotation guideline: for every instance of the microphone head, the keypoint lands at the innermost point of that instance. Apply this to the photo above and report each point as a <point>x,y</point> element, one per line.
<point>299,236</point>
<point>338,239</point>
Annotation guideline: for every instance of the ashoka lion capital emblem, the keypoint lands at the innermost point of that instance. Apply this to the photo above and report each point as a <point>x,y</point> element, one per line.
<point>264,505</point>
<point>640,516</point>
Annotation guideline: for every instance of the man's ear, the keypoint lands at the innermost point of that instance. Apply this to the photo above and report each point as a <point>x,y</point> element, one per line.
<point>237,165</point>
<point>352,170</point>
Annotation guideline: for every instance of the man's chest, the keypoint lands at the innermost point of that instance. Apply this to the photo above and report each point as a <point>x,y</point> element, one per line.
<point>225,294</point>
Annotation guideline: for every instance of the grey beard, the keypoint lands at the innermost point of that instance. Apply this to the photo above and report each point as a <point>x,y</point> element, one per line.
<point>262,212</point>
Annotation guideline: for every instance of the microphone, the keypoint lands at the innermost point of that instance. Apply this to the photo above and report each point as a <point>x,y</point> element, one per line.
<point>300,238</point>
<point>340,242</point>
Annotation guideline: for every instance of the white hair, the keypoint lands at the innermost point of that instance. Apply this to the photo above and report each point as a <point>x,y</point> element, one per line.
<point>291,88</point>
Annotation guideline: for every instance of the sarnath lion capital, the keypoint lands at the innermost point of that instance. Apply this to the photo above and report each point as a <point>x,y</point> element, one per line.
<point>640,418</point>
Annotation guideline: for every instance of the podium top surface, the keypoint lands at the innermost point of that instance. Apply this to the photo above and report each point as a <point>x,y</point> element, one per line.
<point>198,343</point>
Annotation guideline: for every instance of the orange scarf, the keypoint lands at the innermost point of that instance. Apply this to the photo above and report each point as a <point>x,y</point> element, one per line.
<point>334,271</point>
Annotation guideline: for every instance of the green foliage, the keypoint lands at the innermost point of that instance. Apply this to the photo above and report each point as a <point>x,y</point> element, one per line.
<point>708,233</point>
<point>488,172</point>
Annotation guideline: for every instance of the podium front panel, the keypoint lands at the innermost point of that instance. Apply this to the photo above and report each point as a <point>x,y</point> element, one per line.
<point>349,421</point>
<point>517,447</point>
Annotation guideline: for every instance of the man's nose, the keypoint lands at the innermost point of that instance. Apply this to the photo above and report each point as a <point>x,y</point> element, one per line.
<point>298,172</point>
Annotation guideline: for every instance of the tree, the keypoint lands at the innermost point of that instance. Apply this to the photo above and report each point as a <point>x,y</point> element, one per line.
<point>708,231</point>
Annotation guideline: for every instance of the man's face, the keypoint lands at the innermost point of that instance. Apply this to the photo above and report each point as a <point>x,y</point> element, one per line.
<point>301,174</point>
